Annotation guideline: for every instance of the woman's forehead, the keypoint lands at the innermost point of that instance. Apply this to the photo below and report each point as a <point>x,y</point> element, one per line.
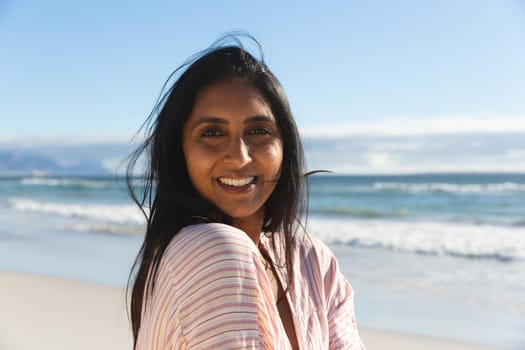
<point>232,95</point>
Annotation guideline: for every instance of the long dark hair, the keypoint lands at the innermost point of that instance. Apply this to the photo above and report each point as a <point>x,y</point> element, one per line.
<point>165,193</point>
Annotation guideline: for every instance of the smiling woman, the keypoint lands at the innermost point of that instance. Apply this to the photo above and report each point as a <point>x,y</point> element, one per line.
<point>234,159</point>
<point>225,262</point>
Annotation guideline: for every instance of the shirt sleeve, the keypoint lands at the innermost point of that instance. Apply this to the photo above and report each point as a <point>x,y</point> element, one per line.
<point>342,326</point>
<point>211,292</point>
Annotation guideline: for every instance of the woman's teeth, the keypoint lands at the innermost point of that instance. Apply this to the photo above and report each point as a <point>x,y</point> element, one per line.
<point>236,182</point>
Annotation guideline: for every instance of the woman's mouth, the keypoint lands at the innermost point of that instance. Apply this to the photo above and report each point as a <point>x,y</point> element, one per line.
<point>237,185</point>
<point>236,182</point>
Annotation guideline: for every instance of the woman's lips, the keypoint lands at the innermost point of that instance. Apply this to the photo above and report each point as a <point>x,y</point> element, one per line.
<point>237,184</point>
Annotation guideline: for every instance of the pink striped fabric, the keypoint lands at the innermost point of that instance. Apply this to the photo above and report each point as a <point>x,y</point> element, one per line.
<point>212,292</point>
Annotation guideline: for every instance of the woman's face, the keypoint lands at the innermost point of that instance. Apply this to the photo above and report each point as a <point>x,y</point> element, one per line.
<point>233,149</point>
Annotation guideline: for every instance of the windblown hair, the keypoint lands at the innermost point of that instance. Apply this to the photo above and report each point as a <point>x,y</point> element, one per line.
<point>164,191</point>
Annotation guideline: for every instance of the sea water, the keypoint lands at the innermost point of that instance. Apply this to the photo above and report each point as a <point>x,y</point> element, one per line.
<point>454,239</point>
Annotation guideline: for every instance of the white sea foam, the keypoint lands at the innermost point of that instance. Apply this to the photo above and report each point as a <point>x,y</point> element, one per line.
<point>451,188</point>
<point>106,213</point>
<point>435,238</point>
<point>56,182</point>
<point>420,237</point>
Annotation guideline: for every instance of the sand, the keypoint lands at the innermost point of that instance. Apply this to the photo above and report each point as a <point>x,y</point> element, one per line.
<point>39,312</point>
<point>51,313</point>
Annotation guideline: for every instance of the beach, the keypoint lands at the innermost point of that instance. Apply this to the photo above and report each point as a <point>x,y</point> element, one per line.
<point>436,262</point>
<point>54,313</point>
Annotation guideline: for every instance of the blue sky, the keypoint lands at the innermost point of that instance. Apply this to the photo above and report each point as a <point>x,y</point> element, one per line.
<point>81,68</point>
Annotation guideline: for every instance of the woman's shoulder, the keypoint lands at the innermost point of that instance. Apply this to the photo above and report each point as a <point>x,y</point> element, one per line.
<point>209,227</point>
<point>201,233</point>
<point>212,228</point>
<point>205,240</point>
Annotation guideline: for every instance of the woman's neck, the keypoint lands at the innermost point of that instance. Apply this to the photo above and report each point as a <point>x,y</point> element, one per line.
<point>251,226</point>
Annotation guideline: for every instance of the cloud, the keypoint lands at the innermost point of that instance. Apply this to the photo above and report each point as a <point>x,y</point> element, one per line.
<point>413,126</point>
<point>84,153</point>
<point>34,141</point>
<point>469,152</point>
<point>379,160</point>
<point>453,143</point>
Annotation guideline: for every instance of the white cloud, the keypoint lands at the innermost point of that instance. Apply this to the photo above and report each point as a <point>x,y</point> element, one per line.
<point>515,154</point>
<point>388,146</point>
<point>413,126</point>
<point>32,141</point>
<point>481,152</point>
<point>379,161</point>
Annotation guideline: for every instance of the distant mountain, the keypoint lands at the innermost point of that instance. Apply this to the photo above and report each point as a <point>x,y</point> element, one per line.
<point>20,162</point>
<point>351,154</point>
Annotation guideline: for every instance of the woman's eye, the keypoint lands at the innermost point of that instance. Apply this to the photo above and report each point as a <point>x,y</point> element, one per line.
<point>260,131</point>
<point>211,133</point>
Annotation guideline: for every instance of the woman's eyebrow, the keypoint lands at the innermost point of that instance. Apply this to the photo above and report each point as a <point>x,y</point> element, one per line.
<point>209,120</point>
<point>217,120</point>
<point>259,118</point>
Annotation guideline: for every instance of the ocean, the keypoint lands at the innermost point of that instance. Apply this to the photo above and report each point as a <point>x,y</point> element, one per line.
<point>448,239</point>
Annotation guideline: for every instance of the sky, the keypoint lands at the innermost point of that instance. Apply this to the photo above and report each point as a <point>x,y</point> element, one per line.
<point>401,78</point>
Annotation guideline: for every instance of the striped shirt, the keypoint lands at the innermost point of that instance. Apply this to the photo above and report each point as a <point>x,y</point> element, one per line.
<point>212,292</point>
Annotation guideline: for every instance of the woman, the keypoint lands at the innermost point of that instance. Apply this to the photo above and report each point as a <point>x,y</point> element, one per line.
<point>224,263</point>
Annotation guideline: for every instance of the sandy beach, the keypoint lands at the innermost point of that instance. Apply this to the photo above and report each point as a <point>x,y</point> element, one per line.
<point>51,313</point>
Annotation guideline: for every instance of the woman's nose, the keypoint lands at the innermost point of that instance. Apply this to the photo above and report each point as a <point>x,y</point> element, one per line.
<point>238,153</point>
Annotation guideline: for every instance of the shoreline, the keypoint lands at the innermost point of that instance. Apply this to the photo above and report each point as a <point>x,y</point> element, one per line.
<point>55,313</point>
